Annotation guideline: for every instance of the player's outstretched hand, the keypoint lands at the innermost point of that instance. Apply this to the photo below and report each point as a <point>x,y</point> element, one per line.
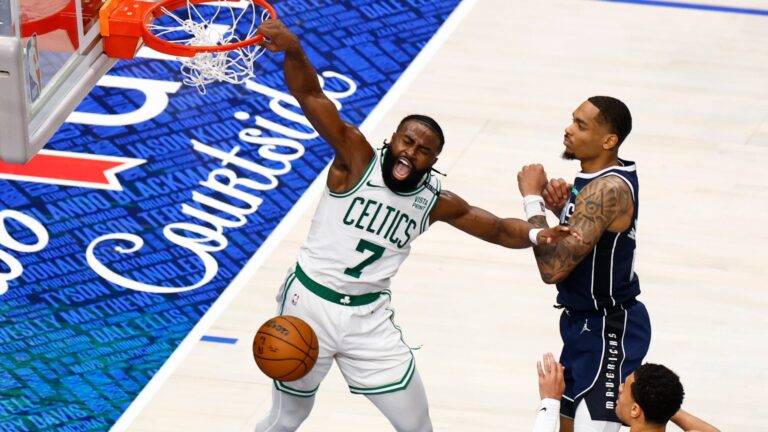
<point>277,37</point>
<point>531,179</point>
<point>556,194</point>
<point>551,380</point>
<point>555,234</point>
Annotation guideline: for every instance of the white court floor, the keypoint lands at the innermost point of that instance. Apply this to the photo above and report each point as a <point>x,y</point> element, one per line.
<point>503,85</point>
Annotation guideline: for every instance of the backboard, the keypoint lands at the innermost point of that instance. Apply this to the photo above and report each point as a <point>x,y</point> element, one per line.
<point>51,56</point>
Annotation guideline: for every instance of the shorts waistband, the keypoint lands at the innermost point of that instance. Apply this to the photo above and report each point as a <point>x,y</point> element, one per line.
<point>333,296</point>
<point>598,312</point>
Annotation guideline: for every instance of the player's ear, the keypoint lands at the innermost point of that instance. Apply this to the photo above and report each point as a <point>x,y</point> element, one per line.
<point>611,142</point>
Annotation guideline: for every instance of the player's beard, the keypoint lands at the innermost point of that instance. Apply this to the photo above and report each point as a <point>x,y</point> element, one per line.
<point>406,185</point>
<point>568,155</point>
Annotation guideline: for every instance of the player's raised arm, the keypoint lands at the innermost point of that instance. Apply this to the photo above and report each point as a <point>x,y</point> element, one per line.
<point>690,423</point>
<point>507,232</point>
<point>551,388</point>
<point>353,152</point>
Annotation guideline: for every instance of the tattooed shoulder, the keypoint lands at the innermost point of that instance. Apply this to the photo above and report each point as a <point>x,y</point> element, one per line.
<point>608,196</point>
<point>598,204</point>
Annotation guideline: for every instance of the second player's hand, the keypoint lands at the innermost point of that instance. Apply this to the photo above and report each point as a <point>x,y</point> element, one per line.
<point>555,234</point>
<point>556,194</point>
<point>277,37</point>
<point>551,379</point>
<point>531,179</point>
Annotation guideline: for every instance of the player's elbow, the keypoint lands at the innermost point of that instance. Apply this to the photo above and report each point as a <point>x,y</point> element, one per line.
<point>548,280</point>
<point>552,278</point>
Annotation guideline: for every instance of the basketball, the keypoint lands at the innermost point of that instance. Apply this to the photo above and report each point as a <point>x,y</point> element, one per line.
<point>285,348</point>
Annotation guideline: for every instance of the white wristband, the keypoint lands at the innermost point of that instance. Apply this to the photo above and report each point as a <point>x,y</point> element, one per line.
<point>534,206</point>
<point>533,233</point>
<point>546,419</point>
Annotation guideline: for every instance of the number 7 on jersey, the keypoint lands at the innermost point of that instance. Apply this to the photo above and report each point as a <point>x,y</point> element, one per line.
<point>363,246</point>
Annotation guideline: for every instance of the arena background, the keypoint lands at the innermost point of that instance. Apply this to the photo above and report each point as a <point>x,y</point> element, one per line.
<point>94,337</point>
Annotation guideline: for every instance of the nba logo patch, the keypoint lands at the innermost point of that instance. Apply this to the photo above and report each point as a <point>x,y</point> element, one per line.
<point>295,298</point>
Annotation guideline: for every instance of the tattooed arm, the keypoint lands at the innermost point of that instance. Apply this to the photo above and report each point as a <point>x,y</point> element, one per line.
<point>606,204</point>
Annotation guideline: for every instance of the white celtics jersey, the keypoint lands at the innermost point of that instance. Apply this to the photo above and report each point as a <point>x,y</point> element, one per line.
<point>359,238</point>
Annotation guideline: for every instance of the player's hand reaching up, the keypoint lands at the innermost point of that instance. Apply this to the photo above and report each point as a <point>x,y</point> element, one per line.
<point>551,380</point>
<point>556,194</point>
<point>277,37</point>
<point>531,180</point>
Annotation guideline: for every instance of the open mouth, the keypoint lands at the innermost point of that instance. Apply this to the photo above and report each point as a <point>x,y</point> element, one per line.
<point>402,168</point>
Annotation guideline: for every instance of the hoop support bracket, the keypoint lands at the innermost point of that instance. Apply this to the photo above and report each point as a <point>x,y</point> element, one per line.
<point>121,25</point>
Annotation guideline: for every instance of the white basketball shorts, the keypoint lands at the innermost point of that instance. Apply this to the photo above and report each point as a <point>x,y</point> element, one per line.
<point>358,331</point>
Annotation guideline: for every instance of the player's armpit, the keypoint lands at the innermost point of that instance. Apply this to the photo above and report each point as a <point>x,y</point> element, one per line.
<point>597,206</point>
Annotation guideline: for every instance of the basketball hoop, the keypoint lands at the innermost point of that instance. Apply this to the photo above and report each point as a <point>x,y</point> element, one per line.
<point>214,40</point>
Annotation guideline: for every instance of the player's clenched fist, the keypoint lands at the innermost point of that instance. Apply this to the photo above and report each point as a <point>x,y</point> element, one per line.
<point>531,179</point>
<point>556,194</point>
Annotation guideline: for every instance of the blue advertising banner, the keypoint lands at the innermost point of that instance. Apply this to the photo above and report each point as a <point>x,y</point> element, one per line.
<point>150,200</point>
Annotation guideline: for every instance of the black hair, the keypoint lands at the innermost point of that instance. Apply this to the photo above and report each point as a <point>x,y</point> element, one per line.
<point>658,391</point>
<point>429,122</point>
<point>614,113</point>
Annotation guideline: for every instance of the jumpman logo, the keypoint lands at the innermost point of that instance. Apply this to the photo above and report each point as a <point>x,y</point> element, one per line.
<point>586,327</point>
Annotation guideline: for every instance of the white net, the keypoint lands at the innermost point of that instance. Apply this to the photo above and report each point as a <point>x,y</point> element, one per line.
<point>213,24</point>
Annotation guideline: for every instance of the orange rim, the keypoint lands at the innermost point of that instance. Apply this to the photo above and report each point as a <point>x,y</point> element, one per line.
<point>177,49</point>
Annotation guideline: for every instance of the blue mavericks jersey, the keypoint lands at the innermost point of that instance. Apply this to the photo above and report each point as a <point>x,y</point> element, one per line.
<point>606,277</point>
